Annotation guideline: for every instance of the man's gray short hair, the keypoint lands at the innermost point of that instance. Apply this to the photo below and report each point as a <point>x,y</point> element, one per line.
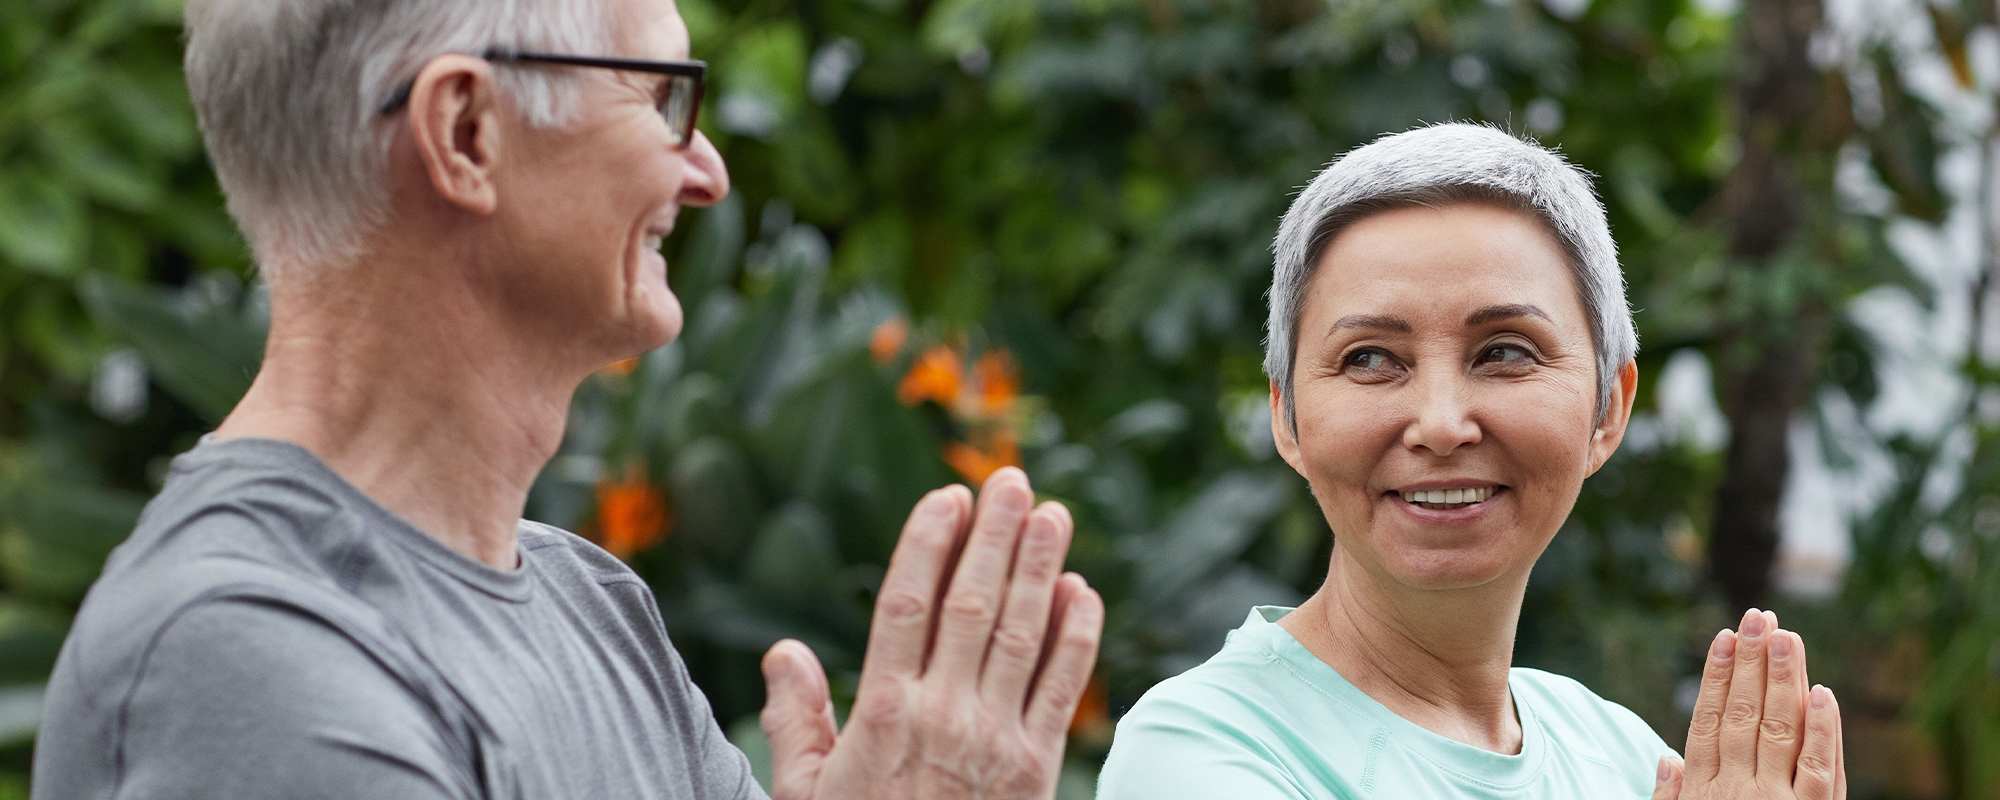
<point>1441,165</point>
<point>289,96</point>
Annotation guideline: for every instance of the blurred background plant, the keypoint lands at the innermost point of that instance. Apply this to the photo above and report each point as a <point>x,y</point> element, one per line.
<point>971,233</point>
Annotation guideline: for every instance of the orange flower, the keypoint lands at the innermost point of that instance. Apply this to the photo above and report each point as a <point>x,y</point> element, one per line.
<point>621,368</point>
<point>938,375</point>
<point>632,515</point>
<point>977,464</point>
<point>1093,712</point>
<point>887,341</point>
<point>999,382</point>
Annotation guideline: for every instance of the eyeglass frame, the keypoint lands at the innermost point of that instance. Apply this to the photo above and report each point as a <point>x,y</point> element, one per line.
<point>698,70</point>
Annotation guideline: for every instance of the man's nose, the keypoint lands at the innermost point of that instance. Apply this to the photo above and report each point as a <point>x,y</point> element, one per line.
<point>704,179</point>
<point>1444,419</point>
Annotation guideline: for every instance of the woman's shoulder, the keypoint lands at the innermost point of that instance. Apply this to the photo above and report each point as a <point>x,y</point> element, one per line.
<point>1580,719</point>
<point>1246,723</point>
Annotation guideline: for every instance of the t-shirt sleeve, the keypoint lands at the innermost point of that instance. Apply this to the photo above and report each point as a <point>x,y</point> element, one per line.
<point>240,698</point>
<point>722,769</point>
<point>1167,750</point>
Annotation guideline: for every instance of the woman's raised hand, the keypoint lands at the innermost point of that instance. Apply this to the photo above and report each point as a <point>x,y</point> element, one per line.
<point>1758,732</point>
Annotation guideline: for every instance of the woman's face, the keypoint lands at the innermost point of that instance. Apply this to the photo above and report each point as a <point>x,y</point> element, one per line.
<point>1445,387</point>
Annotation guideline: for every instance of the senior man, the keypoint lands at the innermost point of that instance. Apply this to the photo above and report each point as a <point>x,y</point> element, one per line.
<point>459,207</point>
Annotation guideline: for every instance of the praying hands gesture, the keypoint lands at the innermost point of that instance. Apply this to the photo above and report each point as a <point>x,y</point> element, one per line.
<point>980,648</point>
<point>1758,732</point>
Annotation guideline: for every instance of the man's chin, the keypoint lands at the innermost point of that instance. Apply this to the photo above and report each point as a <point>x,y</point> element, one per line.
<point>661,324</point>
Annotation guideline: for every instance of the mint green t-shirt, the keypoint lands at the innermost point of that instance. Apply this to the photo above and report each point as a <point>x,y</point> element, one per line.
<point>1265,719</point>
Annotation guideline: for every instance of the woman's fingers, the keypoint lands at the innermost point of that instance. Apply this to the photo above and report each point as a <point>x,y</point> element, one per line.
<point>1705,731</point>
<point>1784,709</point>
<point>1743,709</point>
<point>1667,779</point>
<point>1024,619</point>
<point>1819,775</point>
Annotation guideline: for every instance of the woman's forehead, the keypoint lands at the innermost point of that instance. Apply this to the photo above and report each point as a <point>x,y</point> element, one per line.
<point>1443,264</point>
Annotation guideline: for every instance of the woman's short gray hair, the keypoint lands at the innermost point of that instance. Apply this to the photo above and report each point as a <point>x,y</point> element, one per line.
<point>289,96</point>
<point>1441,165</point>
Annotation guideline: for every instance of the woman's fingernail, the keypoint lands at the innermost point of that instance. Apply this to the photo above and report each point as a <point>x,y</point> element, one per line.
<point>1821,696</point>
<point>1753,624</point>
<point>1781,645</point>
<point>1661,775</point>
<point>1724,647</point>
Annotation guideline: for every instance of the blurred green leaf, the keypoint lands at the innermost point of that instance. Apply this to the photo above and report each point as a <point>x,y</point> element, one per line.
<point>205,353</point>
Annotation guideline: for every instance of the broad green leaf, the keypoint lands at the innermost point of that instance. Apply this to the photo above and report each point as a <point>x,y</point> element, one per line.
<point>206,356</point>
<point>1210,530</point>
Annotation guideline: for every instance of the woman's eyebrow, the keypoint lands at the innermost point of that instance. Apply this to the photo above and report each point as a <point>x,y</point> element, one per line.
<point>1492,314</point>
<point>1375,321</point>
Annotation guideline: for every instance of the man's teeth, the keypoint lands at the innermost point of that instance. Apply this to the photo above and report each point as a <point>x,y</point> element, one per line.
<point>1450,496</point>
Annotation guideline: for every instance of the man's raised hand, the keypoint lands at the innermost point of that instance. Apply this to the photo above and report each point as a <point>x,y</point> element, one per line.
<point>980,648</point>
<point>1758,732</point>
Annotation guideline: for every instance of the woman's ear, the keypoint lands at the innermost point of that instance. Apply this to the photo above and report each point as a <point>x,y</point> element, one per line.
<point>1281,431</point>
<point>1611,430</point>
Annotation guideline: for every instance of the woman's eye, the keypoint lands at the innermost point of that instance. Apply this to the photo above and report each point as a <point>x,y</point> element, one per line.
<point>1367,359</point>
<point>1510,354</point>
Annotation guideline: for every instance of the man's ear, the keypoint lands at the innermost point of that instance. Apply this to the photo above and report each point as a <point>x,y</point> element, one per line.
<point>455,120</point>
<point>1281,431</point>
<point>1609,432</point>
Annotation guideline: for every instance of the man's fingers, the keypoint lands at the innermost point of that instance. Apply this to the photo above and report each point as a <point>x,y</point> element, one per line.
<point>1705,730</point>
<point>905,606</point>
<point>1743,709</point>
<point>1781,731</point>
<point>1024,618</point>
<point>797,718</point>
<point>1667,779</point>
<point>1072,656</point>
<point>1819,775</point>
<point>972,603</point>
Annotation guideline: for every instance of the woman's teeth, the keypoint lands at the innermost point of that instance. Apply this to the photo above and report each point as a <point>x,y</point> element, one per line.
<point>1449,497</point>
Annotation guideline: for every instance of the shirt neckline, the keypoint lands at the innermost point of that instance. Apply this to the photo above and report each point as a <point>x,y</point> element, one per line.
<point>514,585</point>
<point>1468,763</point>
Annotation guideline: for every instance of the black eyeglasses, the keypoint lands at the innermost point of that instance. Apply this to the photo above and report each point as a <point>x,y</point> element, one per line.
<point>679,101</point>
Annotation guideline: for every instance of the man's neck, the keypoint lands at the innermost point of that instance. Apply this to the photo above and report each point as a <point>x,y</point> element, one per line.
<point>415,398</point>
<point>1437,659</point>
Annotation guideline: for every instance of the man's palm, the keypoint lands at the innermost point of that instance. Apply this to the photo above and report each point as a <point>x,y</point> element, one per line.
<point>980,650</point>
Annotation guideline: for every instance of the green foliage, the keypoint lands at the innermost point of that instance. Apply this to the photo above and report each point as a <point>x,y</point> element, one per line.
<point>1089,186</point>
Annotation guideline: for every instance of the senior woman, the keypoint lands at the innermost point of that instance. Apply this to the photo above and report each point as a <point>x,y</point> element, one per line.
<point>1450,354</point>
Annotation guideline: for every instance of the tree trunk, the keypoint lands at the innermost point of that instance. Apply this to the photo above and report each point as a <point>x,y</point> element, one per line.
<point>1766,363</point>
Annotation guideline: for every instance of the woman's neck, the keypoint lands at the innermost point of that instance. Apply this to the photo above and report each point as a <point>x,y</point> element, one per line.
<point>1439,659</point>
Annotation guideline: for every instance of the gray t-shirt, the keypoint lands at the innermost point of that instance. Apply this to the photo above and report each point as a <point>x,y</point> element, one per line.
<point>270,631</point>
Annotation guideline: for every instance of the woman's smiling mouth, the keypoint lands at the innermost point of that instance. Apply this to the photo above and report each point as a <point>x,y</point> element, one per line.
<point>1448,499</point>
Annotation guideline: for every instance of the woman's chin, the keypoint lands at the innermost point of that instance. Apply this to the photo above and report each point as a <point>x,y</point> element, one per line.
<point>1440,570</point>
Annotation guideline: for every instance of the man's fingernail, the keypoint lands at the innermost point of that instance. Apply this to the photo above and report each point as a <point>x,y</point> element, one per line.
<point>1664,772</point>
<point>1781,645</point>
<point>1753,624</point>
<point>937,504</point>
<point>1724,647</point>
<point>1821,696</point>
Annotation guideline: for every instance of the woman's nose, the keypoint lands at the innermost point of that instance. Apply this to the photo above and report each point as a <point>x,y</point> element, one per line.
<point>705,179</point>
<point>1444,420</point>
